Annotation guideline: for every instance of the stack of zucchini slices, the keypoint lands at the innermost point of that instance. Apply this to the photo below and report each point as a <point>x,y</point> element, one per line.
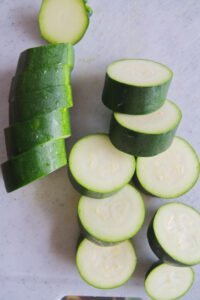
<point>40,98</point>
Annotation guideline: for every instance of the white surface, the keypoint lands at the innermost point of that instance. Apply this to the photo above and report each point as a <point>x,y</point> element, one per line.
<point>38,228</point>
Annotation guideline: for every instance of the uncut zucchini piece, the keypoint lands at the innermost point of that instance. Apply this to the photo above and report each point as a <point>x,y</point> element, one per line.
<point>34,164</point>
<point>45,56</point>
<point>64,21</point>
<point>97,169</point>
<point>32,104</point>
<point>136,86</point>
<point>113,219</point>
<point>145,135</point>
<point>165,282</point>
<point>169,174</point>
<point>105,267</point>
<point>174,234</point>
<point>41,79</point>
<point>25,135</point>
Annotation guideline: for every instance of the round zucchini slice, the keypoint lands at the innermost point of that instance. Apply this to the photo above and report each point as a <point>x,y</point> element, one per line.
<point>171,173</point>
<point>174,234</point>
<point>97,169</point>
<point>113,219</point>
<point>136,86</point>
<point>165,282</point>
<point>105,267</point>
<point>145,135</point>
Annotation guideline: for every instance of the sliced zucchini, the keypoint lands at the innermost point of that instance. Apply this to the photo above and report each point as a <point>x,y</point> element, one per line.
<point>171,173</point>
<point>165,282</point>
<point>105,267</point>
<point>97,169</point>
<point>24,135</point>
<point>34,164</point>
<point>45,56</point>
<point>35,103</point>
<point>113,219</point>
<point>136,86</point>
<point>145,135</point>
<point>64,21</point>
<point>174,234</point>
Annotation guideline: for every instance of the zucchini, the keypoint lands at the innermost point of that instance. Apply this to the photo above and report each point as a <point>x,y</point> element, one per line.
<point>174,234</point>
<point>44,56</point>
<point>97,169</point>
<point>171,173</point>
<point>113,219</point>
<point>145,135</point>
<point>136,86</point>
<point>64,21</point>
<point>34,164</point>
<point>105,267</point>
<point>32,104</point>
<point>165,282</point>
<point>25,135</point>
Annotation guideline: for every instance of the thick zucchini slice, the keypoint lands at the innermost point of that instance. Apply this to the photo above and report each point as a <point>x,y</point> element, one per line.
<point>113,219</point>
<point>64,21</point>
<point>25,135</point>
<point>165,282</point>
<point>97,169</point>
<point>174,234</point>
<point>45,56</point>
<point>136,86</point>
<point>171,173</point>
<point>34,164</point>
<point>105,267</point>
<point>145,135</point>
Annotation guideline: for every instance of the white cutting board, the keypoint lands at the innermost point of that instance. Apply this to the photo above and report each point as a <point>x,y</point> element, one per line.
<point>38,227</point>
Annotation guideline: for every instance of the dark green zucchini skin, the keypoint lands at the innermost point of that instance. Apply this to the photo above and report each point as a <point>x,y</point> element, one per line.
<point>41,57</point>
<point>128,99</point>
<point>137,143</point>
<point>34,164</point>
<point>32,104</point>
<point>152,267</point>
<point>158,250</point>
<point>25,135</point>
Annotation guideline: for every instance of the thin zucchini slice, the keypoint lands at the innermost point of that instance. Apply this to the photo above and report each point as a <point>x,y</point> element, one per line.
<point>113,219</point>
<point>64,21</point>
<point>145,135</point>
<point>97,169</point>
<point>165,282</point>
<point>105,267</point>
<point>34,164</point>
<point>25,135</point>
<point>136,86</point>
<point>174,234</point>
<point>171,173</point>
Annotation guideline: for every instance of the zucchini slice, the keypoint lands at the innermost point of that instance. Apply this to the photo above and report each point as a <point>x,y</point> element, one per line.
<point>34,164</point>
<point>145,135</point>
<point>105,267</point>
<point>171,173</point>
<point>165,282</point>
<point>97,169</point>
<point>25,135</point>
<point>45,56</point>
<point>113,219</point>
<point>174,234</point>
<point>136,86</point>
<point>64,21</point>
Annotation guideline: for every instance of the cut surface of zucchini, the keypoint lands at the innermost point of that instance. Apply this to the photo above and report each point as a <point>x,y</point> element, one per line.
<point>113,219</point>
<point>63,21</point>
<point>97,166</point>
<point>105,267</point>
<point>171,173</point>
<point>165,282</point>
<point>174,234</point>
